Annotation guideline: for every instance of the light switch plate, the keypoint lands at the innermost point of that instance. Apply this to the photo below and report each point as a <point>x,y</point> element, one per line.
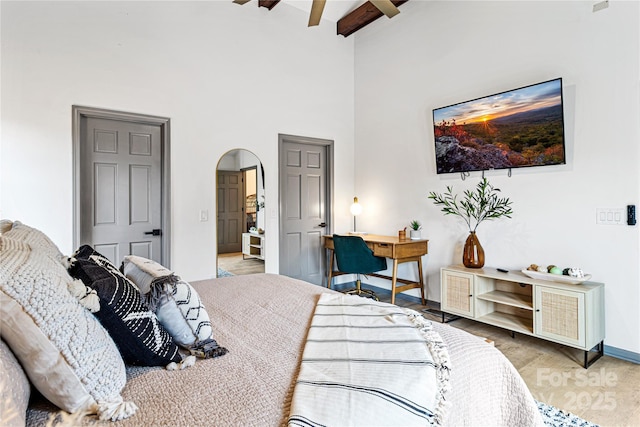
<point>611,216</point>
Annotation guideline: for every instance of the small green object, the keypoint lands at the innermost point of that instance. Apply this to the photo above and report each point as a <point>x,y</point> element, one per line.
<point>555,270</point>
<point>415,225</point>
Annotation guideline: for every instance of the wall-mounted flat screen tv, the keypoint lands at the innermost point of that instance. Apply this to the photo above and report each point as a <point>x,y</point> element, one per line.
<point>519,128</point>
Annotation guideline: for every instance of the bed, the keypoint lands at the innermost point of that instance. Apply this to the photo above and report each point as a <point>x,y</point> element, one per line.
<point>263,320</point>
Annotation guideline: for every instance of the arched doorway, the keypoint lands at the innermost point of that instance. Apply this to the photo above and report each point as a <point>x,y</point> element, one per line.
<point>240,215</point>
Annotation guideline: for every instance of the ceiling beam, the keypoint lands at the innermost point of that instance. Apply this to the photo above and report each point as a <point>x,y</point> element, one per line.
<point>361,17</point>
<point>269,4</point>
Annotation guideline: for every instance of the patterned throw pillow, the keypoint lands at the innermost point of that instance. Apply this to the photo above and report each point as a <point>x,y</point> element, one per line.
<point>176,303</point>
<point>69,357</point>
<point>141,339</point>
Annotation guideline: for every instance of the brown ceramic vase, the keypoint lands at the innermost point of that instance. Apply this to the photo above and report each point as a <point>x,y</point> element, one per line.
<point>473,254</point>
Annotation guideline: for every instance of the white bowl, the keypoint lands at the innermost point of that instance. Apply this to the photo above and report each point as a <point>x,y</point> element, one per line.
<point>560,278</point>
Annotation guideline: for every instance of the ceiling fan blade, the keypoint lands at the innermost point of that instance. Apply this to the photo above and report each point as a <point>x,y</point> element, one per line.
<point>316,12</point>
<point>386,7</point>
<point>241,1</point>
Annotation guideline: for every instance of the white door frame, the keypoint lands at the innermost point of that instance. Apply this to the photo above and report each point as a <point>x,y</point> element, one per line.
<point>78,114</point>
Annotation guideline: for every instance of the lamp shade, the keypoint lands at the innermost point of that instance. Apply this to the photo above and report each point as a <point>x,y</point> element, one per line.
<point>356,208</point>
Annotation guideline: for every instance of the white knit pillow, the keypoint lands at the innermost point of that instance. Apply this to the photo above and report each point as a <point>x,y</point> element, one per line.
<point>5,225</point>
<point>33,237</point>
<point>37,239</point>
<point>67,354</point>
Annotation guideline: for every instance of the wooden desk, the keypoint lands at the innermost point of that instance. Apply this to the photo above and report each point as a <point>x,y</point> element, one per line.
<point>400,251</point>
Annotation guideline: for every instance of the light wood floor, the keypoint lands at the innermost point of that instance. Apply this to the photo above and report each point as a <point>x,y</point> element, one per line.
<point>608,393</point>
<point>234,264</point>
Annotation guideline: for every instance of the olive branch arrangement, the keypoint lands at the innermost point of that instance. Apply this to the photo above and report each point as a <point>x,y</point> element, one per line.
<point>476,206</point>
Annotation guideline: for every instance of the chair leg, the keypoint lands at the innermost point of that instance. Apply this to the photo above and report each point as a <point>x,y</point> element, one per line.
<point>362,292</point>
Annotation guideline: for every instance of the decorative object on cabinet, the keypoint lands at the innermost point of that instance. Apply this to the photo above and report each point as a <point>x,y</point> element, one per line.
<point>556,277</point>
<point>472,252</point>
<point>476,206</point>
<point>253,245</point>
<point>572,315</point>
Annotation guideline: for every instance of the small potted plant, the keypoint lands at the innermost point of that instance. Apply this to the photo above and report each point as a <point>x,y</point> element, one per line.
<point>415,226</point>
<point>475,207</point>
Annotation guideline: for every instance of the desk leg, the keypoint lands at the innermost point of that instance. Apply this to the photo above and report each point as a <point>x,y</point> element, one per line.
<point>394,279</point>
<point>421,280</point>
<point>330,271</point>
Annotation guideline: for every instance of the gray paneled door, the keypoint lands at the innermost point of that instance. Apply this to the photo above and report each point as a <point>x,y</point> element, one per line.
<point>304,177</point>
<point>120,188</point>
<point>230,211</point>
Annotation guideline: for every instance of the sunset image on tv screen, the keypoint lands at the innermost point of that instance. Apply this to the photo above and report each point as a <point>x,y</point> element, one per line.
<point>519,128</point>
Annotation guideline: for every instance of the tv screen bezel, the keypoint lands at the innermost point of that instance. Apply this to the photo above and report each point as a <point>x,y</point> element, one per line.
<point>564,139</point>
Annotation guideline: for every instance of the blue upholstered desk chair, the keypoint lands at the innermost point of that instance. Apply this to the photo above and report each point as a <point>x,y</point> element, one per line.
<point>354,256</point>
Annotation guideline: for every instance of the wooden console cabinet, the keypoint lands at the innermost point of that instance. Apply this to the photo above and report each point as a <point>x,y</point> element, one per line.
<point>567,314</point>
<point>253,245</point>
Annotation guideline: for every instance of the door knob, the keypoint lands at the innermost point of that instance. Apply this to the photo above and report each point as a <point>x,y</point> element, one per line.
<point>322,224</point>
<point>154,232</point>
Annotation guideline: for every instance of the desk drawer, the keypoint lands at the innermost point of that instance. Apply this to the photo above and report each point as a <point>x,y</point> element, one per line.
<point>383,249</point>
<point>411,249</point>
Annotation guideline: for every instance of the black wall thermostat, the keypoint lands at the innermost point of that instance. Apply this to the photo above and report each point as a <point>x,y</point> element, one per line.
<point>631,214</point>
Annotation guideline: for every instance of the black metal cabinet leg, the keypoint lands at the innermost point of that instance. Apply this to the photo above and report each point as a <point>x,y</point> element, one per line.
<point>599,353</point>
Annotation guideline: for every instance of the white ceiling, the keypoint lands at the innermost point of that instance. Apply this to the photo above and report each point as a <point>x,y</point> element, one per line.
<point>333,9</point>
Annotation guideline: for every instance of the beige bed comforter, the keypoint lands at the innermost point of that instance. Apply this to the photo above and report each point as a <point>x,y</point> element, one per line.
<point>263,320</point>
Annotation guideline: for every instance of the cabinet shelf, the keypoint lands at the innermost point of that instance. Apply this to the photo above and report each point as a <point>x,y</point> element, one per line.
<point>508,298</point>
<point>509,321</point>
<point>253,245</point>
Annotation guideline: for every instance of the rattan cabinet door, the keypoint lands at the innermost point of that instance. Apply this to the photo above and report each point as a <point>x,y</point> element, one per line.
<point>560,315</point>
<point>457,293</point>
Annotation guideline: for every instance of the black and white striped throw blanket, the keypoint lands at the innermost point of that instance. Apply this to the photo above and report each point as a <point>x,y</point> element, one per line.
<point>367,363</point>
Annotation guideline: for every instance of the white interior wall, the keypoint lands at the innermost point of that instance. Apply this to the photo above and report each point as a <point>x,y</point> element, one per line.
<point>231,76</point>
<point>439,53</point>
<point>227,76</point>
